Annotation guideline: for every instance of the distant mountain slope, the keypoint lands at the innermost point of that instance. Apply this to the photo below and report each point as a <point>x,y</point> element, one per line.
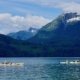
<point>23,35</point>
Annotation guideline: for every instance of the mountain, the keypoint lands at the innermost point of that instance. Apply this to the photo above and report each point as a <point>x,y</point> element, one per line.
<point>60,28</point>
<point>10,47</point>
<point>6,46</point>
<point>59,38</point>
<point>23,35</point>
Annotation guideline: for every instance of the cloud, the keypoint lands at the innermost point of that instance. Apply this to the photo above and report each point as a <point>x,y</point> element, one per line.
<point>65,5</point>
<point>69,6</point>
<point>28,6</point>
<point>10,23</point>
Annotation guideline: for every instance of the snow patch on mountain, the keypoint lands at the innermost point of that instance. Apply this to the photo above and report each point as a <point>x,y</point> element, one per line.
<point>74,19</point>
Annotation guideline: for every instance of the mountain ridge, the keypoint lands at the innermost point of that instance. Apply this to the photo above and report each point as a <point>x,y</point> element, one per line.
<point>23,34</point>
<point>56,27</point>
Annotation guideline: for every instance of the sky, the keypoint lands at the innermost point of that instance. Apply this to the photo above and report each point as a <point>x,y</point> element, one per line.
<point>16,15</point>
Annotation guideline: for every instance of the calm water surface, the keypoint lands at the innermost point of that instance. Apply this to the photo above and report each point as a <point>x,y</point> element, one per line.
<point>40,69</point>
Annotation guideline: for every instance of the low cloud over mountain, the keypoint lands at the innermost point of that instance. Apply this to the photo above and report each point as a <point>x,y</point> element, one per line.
<point>10,23</point>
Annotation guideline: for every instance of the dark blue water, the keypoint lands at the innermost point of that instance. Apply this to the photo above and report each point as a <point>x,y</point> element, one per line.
<point>40,69</point>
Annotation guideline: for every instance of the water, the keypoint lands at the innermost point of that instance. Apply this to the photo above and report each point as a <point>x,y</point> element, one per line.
<point>40,69</point>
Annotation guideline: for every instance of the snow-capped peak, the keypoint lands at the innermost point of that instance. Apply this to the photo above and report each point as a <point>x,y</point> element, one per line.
<point>74,19</point>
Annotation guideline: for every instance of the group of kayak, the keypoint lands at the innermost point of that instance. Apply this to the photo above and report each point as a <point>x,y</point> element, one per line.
<point>70,62</point>
<point>11,64</point>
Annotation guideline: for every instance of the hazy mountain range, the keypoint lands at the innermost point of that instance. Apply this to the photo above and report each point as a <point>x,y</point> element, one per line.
<point>60,38</point>
<point>24,34</point>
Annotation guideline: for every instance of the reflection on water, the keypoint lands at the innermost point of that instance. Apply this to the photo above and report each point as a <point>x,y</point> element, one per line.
<point>39,69</point>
